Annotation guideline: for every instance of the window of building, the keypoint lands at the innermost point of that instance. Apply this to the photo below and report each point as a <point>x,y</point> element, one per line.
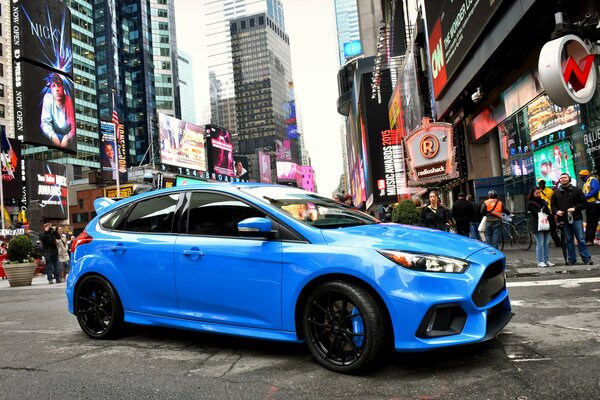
<point>261,20</point>
<point>81,203</point>
<point>1,89</point>
<point>243,24</point>
<point>1,69</point>
<point>252,23</point>
<point>2,114</point>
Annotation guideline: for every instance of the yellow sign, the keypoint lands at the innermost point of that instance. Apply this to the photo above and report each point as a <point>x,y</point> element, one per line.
<point>126,191</point>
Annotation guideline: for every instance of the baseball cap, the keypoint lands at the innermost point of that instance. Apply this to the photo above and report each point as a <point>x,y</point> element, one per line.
<point>492,193</point>
<point>584,172</point>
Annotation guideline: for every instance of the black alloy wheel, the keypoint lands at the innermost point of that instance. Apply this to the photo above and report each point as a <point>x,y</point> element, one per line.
<point>344,327</point>
<point>98,308</point>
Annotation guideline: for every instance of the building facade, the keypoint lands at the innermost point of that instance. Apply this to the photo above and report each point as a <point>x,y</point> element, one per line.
<point>348,29</point>
<point>186,86</point>
<point>6,92</point>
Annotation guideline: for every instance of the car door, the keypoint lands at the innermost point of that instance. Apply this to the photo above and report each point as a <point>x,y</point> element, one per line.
<point>141,250</point>
<point>220,276</point>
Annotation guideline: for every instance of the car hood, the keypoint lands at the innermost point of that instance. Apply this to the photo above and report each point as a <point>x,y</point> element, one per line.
<point>405,238</point>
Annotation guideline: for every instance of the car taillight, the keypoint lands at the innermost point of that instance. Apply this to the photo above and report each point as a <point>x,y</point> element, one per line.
<point>83,238</point>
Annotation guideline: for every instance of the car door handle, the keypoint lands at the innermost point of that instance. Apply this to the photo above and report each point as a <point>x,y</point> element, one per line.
<point>119,248</point>
<point>193,253</point>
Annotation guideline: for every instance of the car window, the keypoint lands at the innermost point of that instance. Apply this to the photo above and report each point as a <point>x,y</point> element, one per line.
<point>109,221</point>
<point>152,215</point>
<point>214,214</point>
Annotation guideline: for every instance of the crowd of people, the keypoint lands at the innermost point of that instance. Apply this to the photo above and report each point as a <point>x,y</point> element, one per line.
<point>55,248</point>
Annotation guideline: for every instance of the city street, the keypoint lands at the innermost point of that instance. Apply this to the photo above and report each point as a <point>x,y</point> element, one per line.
<point>550,350</point>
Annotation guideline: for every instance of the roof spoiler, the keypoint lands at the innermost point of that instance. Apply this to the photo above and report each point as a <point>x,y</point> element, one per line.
<point>101,203</point>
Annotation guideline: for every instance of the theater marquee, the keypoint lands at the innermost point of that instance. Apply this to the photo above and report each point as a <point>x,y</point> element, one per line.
<point>431,154</point>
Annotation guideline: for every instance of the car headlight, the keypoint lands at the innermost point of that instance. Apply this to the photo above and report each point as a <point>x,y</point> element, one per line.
<point>426,262</point>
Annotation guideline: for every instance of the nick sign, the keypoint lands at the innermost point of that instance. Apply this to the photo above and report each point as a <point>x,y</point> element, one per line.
<point>567,71</point>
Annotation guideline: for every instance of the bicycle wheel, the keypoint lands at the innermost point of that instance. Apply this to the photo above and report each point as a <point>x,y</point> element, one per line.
<point>504,235</point>
<point>523,237</point>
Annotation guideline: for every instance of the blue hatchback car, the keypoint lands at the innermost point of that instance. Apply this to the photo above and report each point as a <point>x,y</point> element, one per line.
<point>279,263</point>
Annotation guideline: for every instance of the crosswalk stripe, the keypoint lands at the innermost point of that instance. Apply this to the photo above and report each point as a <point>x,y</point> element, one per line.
<point>556,282</point>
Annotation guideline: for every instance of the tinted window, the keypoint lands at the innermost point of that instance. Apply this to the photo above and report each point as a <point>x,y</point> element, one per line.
<point>152,215</point>
<point>109,221</point>
<point>214,214</point>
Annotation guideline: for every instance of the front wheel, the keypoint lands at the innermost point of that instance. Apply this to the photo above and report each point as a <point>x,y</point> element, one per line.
<point>344,327</point>
<point>98,308</point>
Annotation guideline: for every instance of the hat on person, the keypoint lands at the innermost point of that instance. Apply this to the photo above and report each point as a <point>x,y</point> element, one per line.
<point>462,195</point>
<point>584,172</point>
<point>492,193</point>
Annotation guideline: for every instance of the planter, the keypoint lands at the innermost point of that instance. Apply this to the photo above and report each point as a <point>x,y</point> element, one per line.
<point>19,274</point>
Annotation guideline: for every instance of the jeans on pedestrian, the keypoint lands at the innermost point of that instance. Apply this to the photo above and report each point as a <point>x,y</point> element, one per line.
<point>542,251</point>
<point>53,268</point>
<point>473,232</point>
<point>492,232</point>
<point>575,230</point>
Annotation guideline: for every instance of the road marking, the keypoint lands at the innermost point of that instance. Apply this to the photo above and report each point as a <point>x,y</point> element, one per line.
<point>557,282</point>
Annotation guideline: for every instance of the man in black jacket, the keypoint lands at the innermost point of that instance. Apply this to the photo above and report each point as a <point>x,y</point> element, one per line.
<point>462,213</point>
<point>50,251</point>
<point>567,203</point>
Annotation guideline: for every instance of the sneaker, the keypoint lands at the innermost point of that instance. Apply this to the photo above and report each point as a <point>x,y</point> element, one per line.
<point>571,262</point>
<point>588,262</point>
<point>59,281</point>
<point>550,264</point>
<point>589,243</point>
<point>542,265</point>
<point>51,282</point>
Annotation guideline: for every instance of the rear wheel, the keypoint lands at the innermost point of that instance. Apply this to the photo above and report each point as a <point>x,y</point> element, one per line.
<point>98,308</point>
<point>344,327</point>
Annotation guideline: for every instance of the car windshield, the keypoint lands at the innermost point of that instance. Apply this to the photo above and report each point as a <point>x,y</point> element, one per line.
<point>310,208</point>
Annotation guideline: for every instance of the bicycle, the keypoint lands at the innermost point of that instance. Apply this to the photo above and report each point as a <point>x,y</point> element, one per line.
<point>515,233</point>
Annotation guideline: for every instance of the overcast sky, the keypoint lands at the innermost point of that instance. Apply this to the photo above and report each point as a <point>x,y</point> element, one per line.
<point>310,25</point>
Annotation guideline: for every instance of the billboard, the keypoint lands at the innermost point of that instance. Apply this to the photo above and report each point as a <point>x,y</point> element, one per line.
<point>240,166</point>
<point>182,143</point>
<point>221,150</point>
<point>41,33</point>
<point>453,28</point>
<point>47,184</point>
<point>11,168</point>
<point>352,49</point>
<point>545,117</point>
<point>288,171</point>
<point>44,107</point>
<point>111,159</point>
<point>264,167</point>
<point>283,150</point>
<point>551,161</point>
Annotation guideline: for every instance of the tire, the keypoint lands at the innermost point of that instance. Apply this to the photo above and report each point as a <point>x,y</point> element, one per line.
<point>524,240</point>
<point>98,308</point>
<point>344,327</point>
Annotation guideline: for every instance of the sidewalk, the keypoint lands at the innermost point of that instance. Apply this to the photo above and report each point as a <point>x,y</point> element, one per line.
<point>523,263</point>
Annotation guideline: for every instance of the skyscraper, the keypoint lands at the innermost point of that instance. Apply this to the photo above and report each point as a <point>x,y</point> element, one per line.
<point>218,14</point>
<point>263,84</point>
<point>348,30</point>
<point>186,86</point>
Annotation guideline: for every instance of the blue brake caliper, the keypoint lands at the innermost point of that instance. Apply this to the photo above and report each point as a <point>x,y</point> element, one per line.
<point>357,327</point>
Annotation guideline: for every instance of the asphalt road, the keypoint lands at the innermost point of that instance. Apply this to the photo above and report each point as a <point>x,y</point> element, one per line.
<point>550,350</point>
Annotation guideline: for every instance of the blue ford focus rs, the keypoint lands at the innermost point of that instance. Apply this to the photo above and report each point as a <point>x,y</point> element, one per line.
<point>279,263</point>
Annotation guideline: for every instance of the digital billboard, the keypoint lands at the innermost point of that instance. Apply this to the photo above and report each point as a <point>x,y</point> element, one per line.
<point>12,183</point>
<point>111,159</point>
<point>545,117</point>
<point>182,143</point>
<point>240,166</point>
<point>47,184</point>
<point>41,33</point>
<point>264,167</point>
<point>221,150</point>
<point>44,107</point>
<point>283,150</point>
<point>288,171</point>
<point>552,161</point>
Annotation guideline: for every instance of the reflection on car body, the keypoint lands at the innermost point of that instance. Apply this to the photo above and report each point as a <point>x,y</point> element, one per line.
<point>279,263</point>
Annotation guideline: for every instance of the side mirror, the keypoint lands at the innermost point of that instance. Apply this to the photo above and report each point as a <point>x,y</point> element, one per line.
<point>256,227</point>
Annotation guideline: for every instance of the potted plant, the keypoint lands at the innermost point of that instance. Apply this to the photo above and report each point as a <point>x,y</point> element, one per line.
<point>405,213</point>
<point>20,266</point>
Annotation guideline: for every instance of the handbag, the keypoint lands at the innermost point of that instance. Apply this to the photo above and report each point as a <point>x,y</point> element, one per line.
<point>481,227</point>
<point>543,223</point>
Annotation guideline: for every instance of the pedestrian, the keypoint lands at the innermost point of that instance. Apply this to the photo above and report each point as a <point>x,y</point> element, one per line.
<point>475,219</point>
<point>348,200</point>
<point>546,194</point>
<point>50,252</point>
<point>492,209</point>
<point>591,187</point>
<point>63,252</point>
<point>535,206</point>
<point>568,202</point>
<point>435,215</point>
<point>3,248</point>
<point>462,211</point>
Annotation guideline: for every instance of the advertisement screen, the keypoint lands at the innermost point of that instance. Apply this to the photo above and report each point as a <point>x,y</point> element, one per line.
<point>41,32</point>
<point>221,151</point>
<point>44,107</point>
<point>11,168</point>
<point>545,117</point>
<point>182,143</point>
<point>551,161</point>
<point>283,150</point>
<point>110,157</point>
<point>47,184</point>
<point>287,171</point>
<point>264,165</point>
<point>240,166</point>
<point>184,180</point>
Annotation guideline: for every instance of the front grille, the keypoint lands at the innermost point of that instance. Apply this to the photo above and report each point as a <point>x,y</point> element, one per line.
<point>492,282</point>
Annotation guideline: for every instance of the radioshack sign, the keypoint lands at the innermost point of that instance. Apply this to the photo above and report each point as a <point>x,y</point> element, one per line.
<point>567,71</point>
<point>431,155</point>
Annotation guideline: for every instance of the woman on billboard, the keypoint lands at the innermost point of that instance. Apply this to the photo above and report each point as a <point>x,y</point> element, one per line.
<point>58,113</point>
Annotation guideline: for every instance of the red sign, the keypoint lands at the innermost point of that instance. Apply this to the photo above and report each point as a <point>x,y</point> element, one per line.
<point>575,76</point>
<point>429,146</point>
<point>438,59</point>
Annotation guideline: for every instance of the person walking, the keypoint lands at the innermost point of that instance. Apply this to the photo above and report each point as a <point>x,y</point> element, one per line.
<point>435,215</point>
<point>63,252</point>
<point>591,187</point>
<point>492,209</point>
<point>462,211</point>
<point>535,206</point>
<point>475,219</point>
<point>567,203</point>
<point>546,194</point>
<point>50,252</point>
